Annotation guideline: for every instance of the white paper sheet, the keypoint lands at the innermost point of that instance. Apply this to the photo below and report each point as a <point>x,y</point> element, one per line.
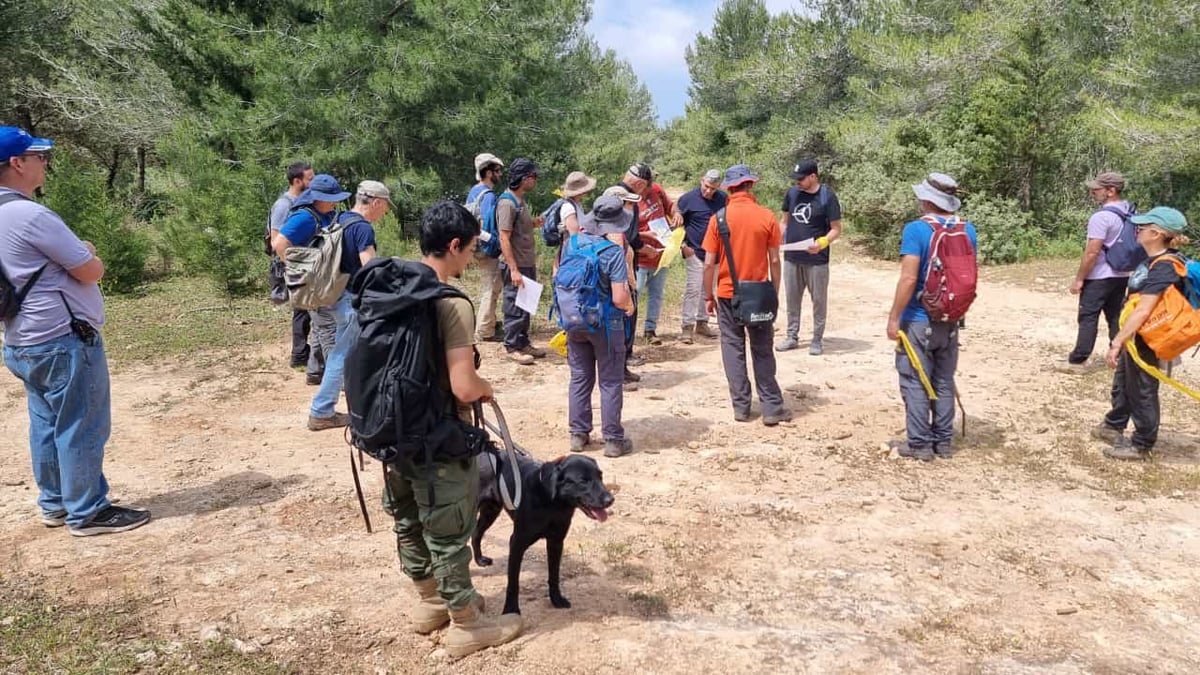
<point>661,228</point>
<point>799,245</point>
<point>529,295</point>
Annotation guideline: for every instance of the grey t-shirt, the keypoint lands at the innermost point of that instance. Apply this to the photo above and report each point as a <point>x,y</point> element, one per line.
<point>279,211</point>
<point>32,235</point>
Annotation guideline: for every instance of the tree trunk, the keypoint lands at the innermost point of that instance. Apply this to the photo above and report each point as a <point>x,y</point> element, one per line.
<point>141,171</point>
<point>113,167</point>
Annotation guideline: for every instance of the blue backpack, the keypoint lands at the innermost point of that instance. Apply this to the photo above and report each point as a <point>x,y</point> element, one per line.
<point>552,225</point>
<point>489,232</point>
<point>579,299</point>
<point>1125,254</point>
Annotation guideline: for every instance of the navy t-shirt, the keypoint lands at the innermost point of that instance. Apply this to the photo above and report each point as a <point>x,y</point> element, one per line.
<point>357,237</point>
<point>809,216</point>
<point>696,212</point>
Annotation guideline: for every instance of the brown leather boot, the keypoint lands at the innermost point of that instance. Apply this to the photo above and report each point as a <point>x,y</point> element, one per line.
<point>470,631</point>
<point>703,330</point>
<point>430,612</point>
<point>686,337</point>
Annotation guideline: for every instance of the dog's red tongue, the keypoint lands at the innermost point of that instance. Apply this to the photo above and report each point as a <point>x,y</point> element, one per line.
<point>598,515</point>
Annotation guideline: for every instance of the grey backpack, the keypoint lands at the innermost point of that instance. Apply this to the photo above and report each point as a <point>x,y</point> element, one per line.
<point>313,273</point>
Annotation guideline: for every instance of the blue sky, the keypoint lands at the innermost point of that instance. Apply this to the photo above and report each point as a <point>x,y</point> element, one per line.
<point>652,36</point>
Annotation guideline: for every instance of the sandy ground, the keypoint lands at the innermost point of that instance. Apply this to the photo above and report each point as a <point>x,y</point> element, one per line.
<point>732,548</point>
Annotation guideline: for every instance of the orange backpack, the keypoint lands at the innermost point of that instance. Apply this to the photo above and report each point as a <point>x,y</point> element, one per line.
<point>1173,326</point>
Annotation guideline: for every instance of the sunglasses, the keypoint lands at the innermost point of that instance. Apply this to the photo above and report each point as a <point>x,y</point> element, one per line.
<point>43,155</point>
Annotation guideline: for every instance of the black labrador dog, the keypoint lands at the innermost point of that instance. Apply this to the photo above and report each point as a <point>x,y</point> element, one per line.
<point>551,493</point>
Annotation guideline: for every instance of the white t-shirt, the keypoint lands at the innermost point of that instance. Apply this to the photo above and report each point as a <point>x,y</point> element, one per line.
<point>569,207</point>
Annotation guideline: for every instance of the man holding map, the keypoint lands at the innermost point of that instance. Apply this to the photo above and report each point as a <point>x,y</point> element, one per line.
<point>811,214</point>
<point>657,216</point>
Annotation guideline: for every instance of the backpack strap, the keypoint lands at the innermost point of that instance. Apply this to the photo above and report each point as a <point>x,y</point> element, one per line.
<point>723,230</point>
<point>24,291</point>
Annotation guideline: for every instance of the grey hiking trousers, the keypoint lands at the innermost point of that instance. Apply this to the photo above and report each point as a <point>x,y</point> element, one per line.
<point>929,422</point>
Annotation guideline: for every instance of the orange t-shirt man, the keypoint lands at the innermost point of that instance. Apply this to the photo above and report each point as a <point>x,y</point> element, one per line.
<point>753,232</point>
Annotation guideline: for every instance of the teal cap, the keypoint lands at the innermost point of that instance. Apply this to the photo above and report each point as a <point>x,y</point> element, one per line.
<point>1162,216</point>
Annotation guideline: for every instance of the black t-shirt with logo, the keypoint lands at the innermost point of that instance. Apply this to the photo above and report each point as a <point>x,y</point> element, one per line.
<point>809,216</point>
<point>1152,279</point>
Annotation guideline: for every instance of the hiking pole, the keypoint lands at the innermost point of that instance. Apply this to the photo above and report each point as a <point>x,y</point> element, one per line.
<point>962,410</point>
<point>362,503</point>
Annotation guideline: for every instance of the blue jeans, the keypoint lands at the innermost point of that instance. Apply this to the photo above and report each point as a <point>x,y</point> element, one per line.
<point>657,281</point>
<point>335,361</point>
<point>70,417</point>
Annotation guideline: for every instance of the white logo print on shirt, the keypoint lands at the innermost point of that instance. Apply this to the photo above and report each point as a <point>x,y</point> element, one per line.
<point>803,213</point>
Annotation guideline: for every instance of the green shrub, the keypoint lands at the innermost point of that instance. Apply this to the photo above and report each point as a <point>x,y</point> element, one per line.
<point>79,196</point>
<point>1006,233</point>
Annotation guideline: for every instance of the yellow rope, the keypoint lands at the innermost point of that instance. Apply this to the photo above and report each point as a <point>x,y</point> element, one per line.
<point>912,357</point>
<point>1132,350</point>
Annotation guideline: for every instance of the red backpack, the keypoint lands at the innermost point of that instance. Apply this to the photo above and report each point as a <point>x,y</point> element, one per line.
<point>952,273</point>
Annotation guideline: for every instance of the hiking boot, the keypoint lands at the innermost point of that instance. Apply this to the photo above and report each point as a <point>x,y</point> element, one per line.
<point>112,520</point>
<point>787,345</point>
<point>313,379</point>
<point>652,338</point>
<point>579,442</point>
<point>686,336</point>
<point>635,360</point>
<point>815,348</point>
<point>772,420</point>
<point>336,421</point>
<point>943,450</point>
<point>535,352</point>
<point>923,454</point>
<point>741,416</point>
<point>1103,432</point>
<point>521,358</point>
<point>1124,450</point>
<point>430,612</point>
<point>631,376</point>
<point>618,448</point>
<point>54,519</point>
<point>703,330</point>
<point>470,631</point>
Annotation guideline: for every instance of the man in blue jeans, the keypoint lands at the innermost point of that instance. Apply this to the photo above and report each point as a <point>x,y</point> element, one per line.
<point>929,424</point>
<point>52,343</point>
<point>358,246</point>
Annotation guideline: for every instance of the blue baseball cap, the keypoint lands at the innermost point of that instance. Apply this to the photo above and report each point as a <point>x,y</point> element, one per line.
<point>738,174</point>
<point>323,188</point>
<point>15,141</point>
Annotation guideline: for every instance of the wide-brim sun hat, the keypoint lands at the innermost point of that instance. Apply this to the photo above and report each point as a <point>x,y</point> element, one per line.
<point>737,175</point>
<point>578,183</point>
<point>608,216</point>
<point>939,189</point>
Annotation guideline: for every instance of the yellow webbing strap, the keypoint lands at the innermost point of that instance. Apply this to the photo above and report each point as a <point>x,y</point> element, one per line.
<point>912,357</point>
<point>1157,374</point>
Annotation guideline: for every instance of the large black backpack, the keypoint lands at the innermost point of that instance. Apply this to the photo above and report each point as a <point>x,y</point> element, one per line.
<point>11,297</point>
<point>395,363</point>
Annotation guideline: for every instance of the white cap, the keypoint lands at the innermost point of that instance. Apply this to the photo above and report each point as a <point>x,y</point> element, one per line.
<point>373,188</point>
<point>485,158</point>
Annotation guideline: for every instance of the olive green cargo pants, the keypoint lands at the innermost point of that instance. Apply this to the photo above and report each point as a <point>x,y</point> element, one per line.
<point>435,539</point>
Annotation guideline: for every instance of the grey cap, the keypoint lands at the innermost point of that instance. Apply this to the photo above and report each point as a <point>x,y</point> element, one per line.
<point>373,188</point>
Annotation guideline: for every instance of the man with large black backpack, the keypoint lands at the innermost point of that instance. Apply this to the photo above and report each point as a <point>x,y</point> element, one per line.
<point>411,377</point>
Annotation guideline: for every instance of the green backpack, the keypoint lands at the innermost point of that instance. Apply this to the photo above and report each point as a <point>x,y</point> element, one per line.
<point>313,273</point>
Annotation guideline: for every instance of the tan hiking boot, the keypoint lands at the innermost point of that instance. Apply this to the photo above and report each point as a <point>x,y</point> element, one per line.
<point>470,631</point>
<point>686,336</point>
<point>703,330</point>
<point>430,612</point>
<point>535,352</point>
<point>521,358</point>
<point>338,421</point>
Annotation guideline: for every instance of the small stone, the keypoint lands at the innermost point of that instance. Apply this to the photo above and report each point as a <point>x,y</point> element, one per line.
<point>913,497</point>
<point>438,655</point>
<point>1121,507</point>
<point>884,448</point>
<point>842,435</point>
<point>894,454</point>
<point>13,482</point>
<point>867,503</point>
<point>8,621</point>
<point>656,397</point>
<point>693,445</point>
<point>245,647</point>
<point>147,656</point>
<point>830,385</point>
<point>1042,430</point>
<point>1064,611</point>
<point>935,573</point>
<point>210,633</point>
<point>265,640</point>
<point>1177,494</point>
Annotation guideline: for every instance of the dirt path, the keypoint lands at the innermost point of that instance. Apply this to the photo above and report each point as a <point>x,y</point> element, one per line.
<point>733,548</point>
